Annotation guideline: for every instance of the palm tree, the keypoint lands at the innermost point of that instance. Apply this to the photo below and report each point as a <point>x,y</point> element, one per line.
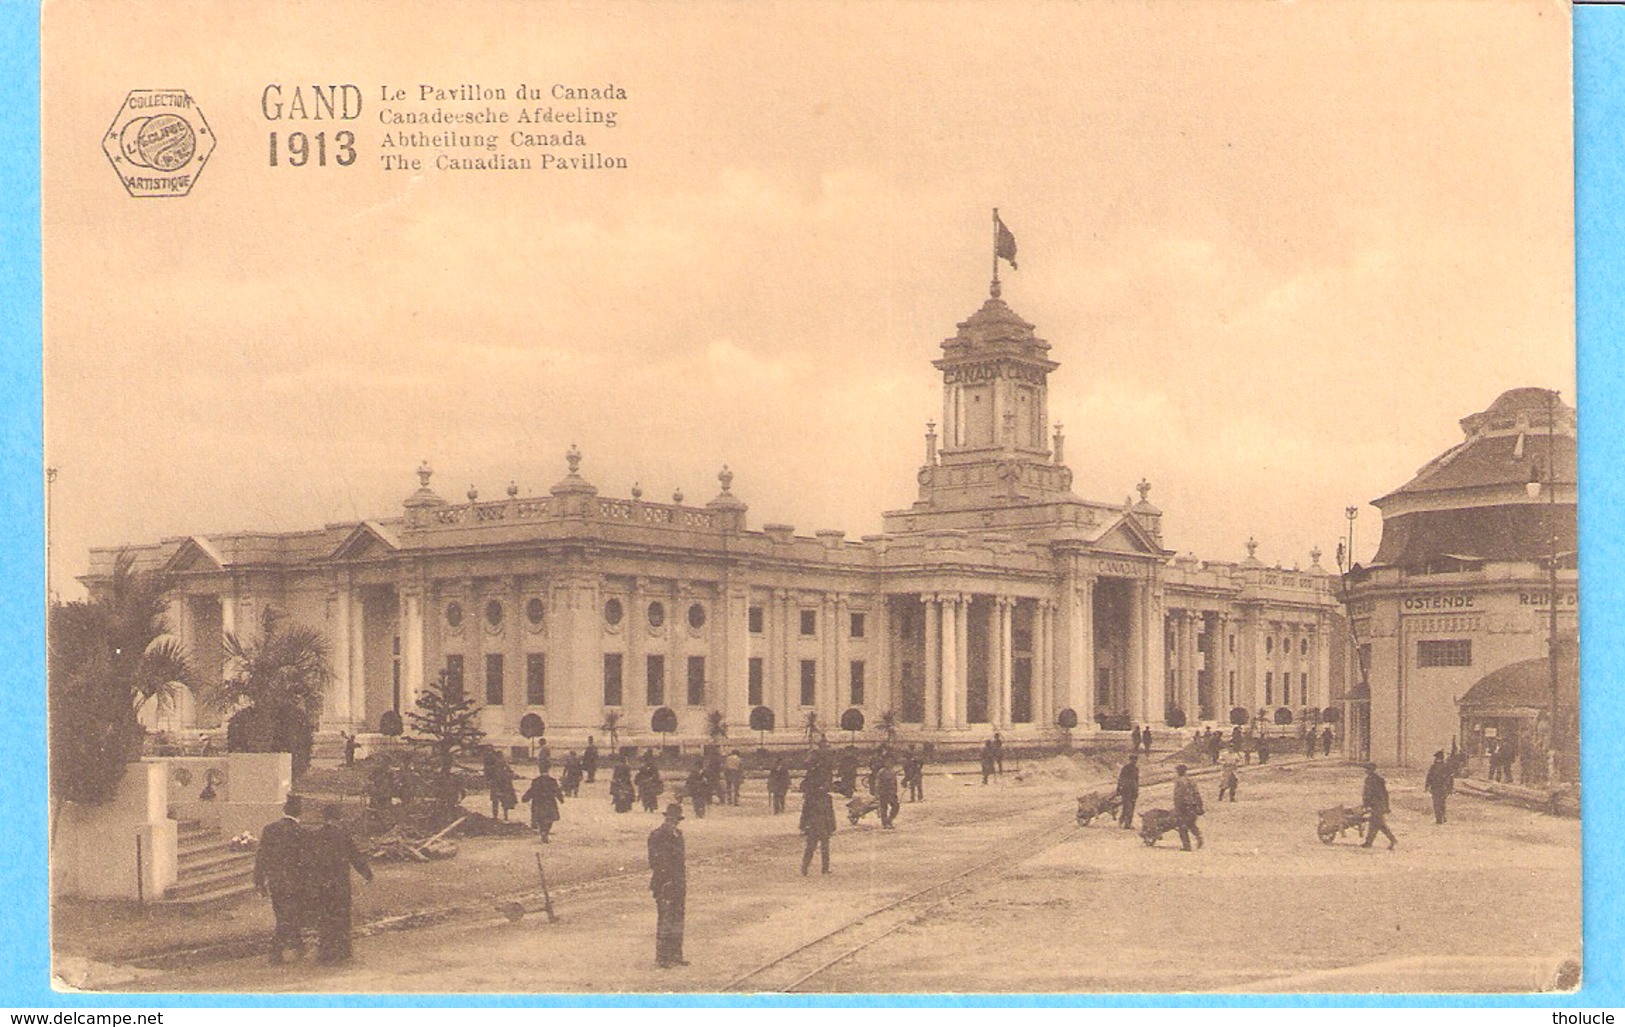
<point>888,723</point>
<point>716,725</point>
<point>612,727</point>
<point>275,684</point>
<point>108,656</point>
<point>812,725</point>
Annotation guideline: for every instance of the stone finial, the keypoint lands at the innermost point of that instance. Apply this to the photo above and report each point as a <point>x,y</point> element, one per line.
<point>637,491</point>
<point>573,458</point>
<point>930,442</point>
<point>726,477</point>
<point>425,472</point>
<point>677,497</point>
<point>1252,547</point>
<point>473,493</point>
<point>1144,488</point>
<point>1314,556</point>
<point>513,490</point>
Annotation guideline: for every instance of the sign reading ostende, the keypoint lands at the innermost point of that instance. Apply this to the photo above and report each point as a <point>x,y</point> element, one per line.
<point>1440,601</point>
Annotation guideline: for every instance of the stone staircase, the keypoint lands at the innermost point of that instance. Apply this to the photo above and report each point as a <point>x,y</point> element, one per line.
<point>209,870</point>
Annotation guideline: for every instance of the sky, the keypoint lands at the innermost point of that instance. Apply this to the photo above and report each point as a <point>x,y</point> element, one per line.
<point>1279,250</point>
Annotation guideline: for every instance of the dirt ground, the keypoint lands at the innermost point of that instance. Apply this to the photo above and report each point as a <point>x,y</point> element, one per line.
<point>1488,902</point>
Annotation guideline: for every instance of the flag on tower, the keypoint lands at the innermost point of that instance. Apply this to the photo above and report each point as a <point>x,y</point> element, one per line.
<point>1004,244</point>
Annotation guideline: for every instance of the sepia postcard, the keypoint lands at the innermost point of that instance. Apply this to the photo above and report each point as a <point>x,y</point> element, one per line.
<point>884,498</point>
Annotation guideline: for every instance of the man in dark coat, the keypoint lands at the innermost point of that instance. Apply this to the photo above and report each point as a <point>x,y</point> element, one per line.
<point>1439,784</point>
<point>817,818</point>
<point>1128,789</point>
<point>1187,807</point>
<point>778,785</point>
<point>1145,737</point>
<point>988,765</point>
<point>914,774</point>
<point>699,788</point>
<point>621,792</point>
<point>589,760</point>
<point>1326,741</point>
<point>1134,739</point>
<point>570,775</point>
<point>885,786</point>
<point>847,771</point>
<point>1309,744</point>
<point>277,873</point>
<point>1375,800</point>
<point>649,785</point>
<point>998,751</point>
<point>668,880</point>
<point>545,797</point>
<point>330,855</point>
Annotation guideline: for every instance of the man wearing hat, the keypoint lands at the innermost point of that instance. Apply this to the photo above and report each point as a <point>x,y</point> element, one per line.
<point>1187,807</point>
<point>668,881</point>
<point>1375,800</point>
<point>1440,782</point>
<point>277,874</point>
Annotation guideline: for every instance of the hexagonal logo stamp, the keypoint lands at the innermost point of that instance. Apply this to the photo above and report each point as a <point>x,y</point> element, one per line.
<point>158,142</point>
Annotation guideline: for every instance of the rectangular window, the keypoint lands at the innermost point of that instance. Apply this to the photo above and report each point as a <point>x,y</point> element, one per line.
<point>857,682</point>
<point>1286,688</point>
<point>1303,687</point>
<point>809,622</point>
<point>809,682</point>
<point>696,681</point>
<point>655,676</point>
<point>1453,652</point>
<point>454,677</point>
<point>536,679</point>
<point>493,679</point>
<point>1232,643</point>
<point>612,679</point>
<point>753,690</point>
<point>755,618</point>
<point>1269,688</point>
<point>858,625</point>
<point>1232,688</point>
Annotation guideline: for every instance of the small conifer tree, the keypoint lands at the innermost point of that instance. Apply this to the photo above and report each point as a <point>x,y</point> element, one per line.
<point>445,725</point>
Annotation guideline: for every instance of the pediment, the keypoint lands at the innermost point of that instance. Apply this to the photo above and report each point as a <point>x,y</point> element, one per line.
<point>366,542</point>
<point>194,556</point>
<point>1126,536</point>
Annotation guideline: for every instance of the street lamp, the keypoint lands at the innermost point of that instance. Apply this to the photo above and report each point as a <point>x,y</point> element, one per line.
<point>1534,488</point>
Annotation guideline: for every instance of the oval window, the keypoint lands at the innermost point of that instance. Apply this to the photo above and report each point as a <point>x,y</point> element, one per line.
<point>454,614</point>
<point>657,615</point>
<point>612,612</point>
<point>696,616</point>
<point>534,611</point>
<point>493,613</point>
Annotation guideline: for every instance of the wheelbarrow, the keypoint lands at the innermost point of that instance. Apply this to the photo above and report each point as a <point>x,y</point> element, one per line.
<point>1154,823</point>
<point>860,806</point>
<point>1096,804</point>
<point>1338,820</point>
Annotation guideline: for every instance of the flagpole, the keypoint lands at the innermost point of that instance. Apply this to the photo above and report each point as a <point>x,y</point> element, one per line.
<point>995,251</point>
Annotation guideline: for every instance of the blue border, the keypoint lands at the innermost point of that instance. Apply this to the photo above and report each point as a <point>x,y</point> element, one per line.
<point>1599,81</point>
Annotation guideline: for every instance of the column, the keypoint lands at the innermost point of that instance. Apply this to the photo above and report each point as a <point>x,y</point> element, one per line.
<point>343,698</point>
<point>933,684</point>
<point>1219,667</point>
<point>881,681</point>
<point>1135,657</point>
<point>833,652</point>
<point>1006,612</point>
<point>1044,666</point>
<point>1068,691</point>
<point>1320,644</point>
<point>1187,664</point>
<point>412,644</point>
<point>789,686</point>
<point>735,674</point>
<point>950,661</point>
<point>634,669</point>
<point>1157,654</point>
<point>962,658</point>
<point>1083,699</point>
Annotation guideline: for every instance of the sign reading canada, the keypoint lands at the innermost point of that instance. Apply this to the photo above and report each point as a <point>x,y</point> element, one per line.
<point>158,142</point>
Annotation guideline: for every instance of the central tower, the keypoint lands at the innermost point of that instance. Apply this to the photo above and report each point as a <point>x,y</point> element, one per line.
<point>994,449</point>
